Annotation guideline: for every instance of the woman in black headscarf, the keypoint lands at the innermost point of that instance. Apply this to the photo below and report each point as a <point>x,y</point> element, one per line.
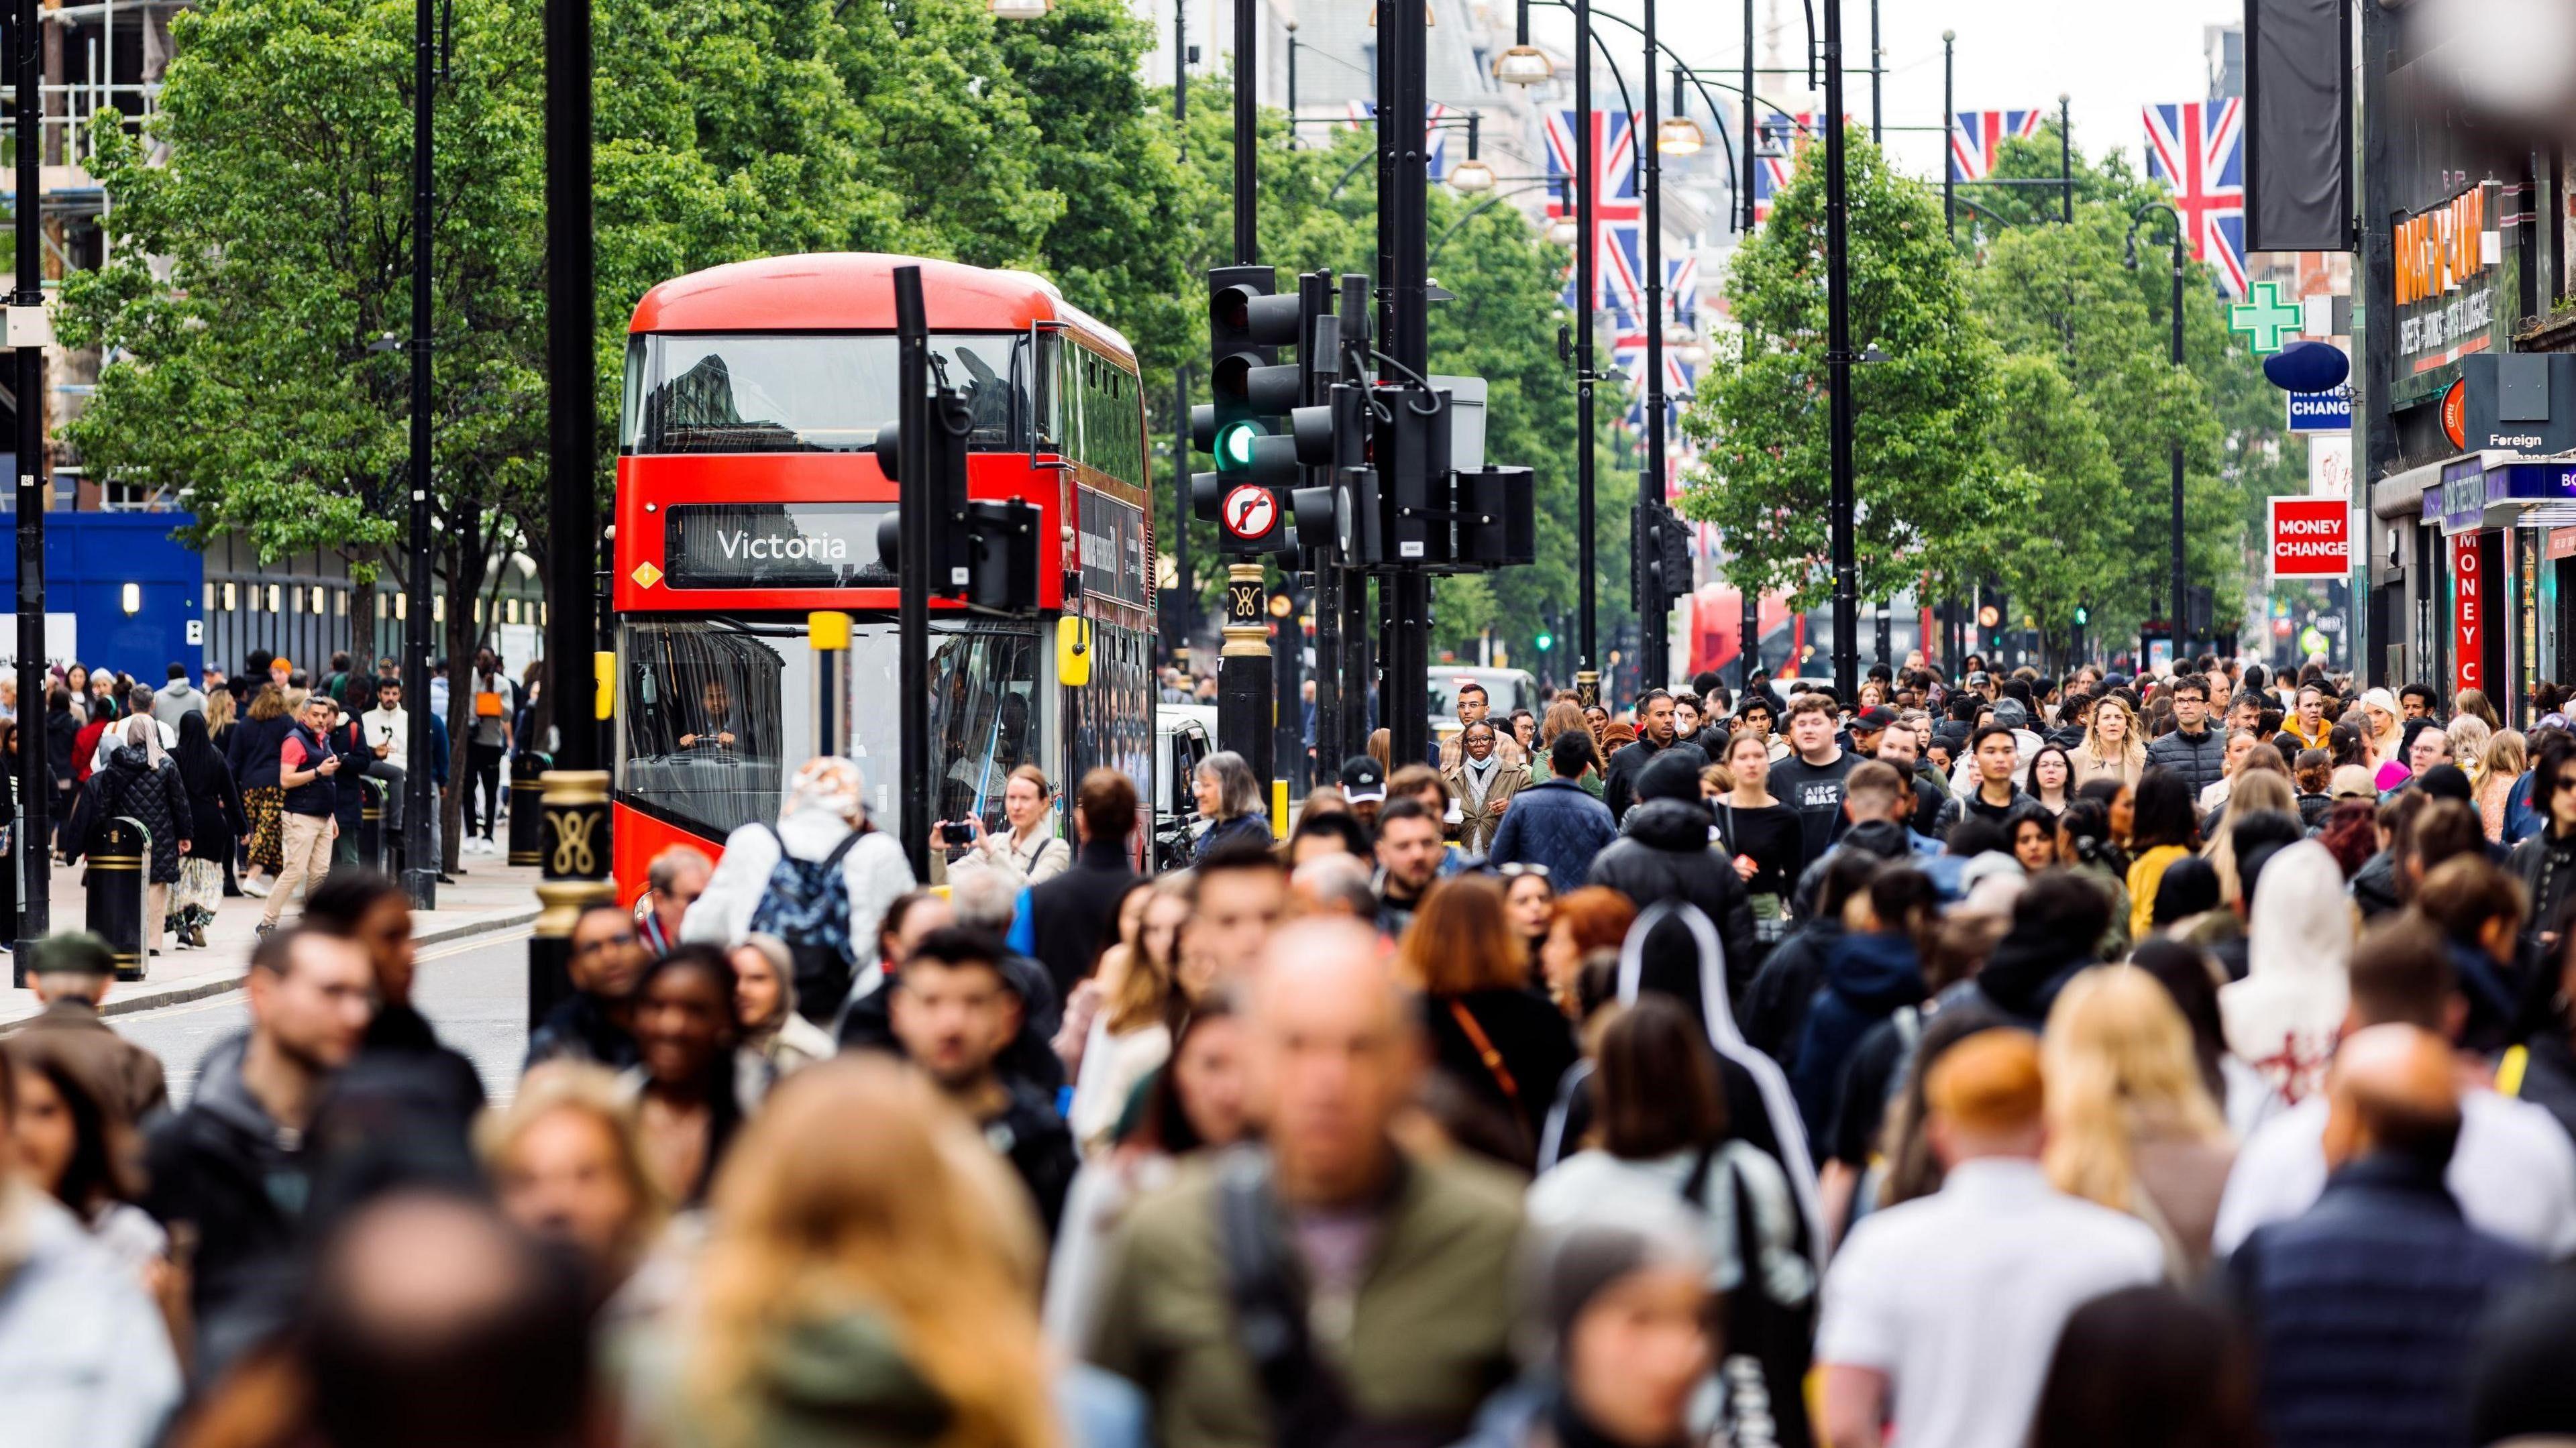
<point>220,822</point>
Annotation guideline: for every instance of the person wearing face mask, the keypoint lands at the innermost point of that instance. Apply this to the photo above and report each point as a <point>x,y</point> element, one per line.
<point>1483,783</point>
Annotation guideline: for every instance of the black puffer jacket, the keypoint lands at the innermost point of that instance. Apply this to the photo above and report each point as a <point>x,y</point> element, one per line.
<point>1663,853</point>
<point>147,793</point>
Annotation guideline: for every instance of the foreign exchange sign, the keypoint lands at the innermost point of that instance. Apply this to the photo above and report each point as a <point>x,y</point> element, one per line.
<point>2311,537</point>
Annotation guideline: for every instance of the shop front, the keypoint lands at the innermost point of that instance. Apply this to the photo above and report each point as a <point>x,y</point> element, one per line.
<point>2488,533</point>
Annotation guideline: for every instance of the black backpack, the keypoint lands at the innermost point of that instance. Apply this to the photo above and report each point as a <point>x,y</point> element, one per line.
<point>807,904</point>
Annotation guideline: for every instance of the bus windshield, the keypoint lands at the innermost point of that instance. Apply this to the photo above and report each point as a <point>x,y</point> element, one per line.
<point>767,393</point>
<point>717,715</point>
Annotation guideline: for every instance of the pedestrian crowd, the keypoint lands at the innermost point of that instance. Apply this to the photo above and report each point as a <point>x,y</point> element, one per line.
<point>254,784</point>
<point>1994,1059</point>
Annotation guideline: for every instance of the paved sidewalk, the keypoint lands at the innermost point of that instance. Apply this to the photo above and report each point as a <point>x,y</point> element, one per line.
<point>490,897</point>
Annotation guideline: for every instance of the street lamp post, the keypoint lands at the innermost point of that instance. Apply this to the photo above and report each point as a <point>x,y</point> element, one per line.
<point>1838,366</point>
<point>1184,596</point>
<point>1587,679</point>
<point>1652,644</point>
<point>2137,220</point>
<point>1949,122</point>
<point>27,300</point>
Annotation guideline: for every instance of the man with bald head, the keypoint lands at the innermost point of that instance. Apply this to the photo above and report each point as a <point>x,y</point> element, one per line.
<point>1378,1283</point>
<point>2513,1172</point>
<point>2363,1307</point>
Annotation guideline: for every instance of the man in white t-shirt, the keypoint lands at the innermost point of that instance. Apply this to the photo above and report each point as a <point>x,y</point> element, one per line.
<point>2514,1170</point>
<point>1941,1314</point>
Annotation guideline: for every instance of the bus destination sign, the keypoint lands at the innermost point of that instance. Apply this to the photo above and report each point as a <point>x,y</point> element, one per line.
<point>774,545</point>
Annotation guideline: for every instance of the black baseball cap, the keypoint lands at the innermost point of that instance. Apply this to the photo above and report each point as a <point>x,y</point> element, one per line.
<point>1873,719</point>
<point>1362,779</point>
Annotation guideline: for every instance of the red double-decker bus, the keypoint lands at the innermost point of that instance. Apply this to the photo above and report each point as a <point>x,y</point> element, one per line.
<point>748,496</point>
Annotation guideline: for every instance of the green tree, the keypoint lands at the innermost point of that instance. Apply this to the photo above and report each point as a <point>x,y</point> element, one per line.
<point>1928,486</point>
<point>2100,306</point>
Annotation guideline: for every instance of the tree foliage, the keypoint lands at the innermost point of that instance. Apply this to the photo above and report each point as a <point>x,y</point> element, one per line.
<point>1928,487</point>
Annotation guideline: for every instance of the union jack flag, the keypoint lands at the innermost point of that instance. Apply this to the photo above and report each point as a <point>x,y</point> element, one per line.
<point>2198,149</point>
<point>1618,210</point>
<point>1787,137</point>
<point>1976,137</point>
<point>1359,115</point>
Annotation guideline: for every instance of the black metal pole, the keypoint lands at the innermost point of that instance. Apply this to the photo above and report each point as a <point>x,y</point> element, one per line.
<point>2065,158</point>
<point>571,397</point>
<point>575,851</point>
<point>1877,92</point>
<point>1185,602</point>
<point>1585,563</point>
<point>35,787</point>
<point>1357,657</point>
<point>420,872</point>
<point>1402,27</point>
<point>1838,367</point>
<point>1292,85</point>
<point>2374,278</point>
<point>1247,133</point>
<point>1652,642</point>
<point>2181,606</point>
<point>1752,141</point>
<point>1949,124</point>
<point>915,490</point>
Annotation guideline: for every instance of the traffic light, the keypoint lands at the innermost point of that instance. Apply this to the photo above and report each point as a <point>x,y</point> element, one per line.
<point>983,552</point>
<point>1545,641</point>
<point>1254,427</point>
<point>2083,615</point>
<point>1497,516</point>
<point>1411,452</point>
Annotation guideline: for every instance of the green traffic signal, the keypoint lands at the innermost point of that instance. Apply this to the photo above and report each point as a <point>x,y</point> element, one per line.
<point>1546,641</point>
<point>2083,615</point>
<point>1234,444</point>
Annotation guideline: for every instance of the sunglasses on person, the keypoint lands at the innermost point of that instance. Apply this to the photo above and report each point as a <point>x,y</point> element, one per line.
<point>1515,871</point>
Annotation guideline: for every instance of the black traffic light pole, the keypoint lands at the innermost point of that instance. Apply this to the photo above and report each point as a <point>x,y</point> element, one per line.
<point>1658,601</point>
<point>35,789</point>
<point>1245,707</point>
<point>1406,272</point>
<point>1358,658</point>
<point>914,490</point>
<point>1318,368</point>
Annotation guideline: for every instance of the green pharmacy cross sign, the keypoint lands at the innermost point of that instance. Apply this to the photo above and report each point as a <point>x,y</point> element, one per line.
<point>2264,318</point>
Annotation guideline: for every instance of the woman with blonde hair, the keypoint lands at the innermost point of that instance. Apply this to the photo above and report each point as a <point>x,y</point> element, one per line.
<point>1489,1032</point>
<point>2469,735</point>
<point>2131,1125</point>
<point>567,1165</point>
<point>2112,747</point>
<point>2502,762</point>
<point>1129,1038</point>
<point>2472,704</point>
<point>871,1262</point>
<point>2256,787</point>
<point>1566,717</point>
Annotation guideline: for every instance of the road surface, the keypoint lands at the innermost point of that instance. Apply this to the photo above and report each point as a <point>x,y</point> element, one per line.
<point>474,991</point>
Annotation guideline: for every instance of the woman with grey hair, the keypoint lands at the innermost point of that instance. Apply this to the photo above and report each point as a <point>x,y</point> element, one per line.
<point>1229,795</point>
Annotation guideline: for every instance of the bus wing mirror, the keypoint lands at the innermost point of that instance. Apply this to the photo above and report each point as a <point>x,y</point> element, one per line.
<point>1073,651</point>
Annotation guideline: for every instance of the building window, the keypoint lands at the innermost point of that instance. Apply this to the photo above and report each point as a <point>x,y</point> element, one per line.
<point>232,600</point>
<point>274,606</point>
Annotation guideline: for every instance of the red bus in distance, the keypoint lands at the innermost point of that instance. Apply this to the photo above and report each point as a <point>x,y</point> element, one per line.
<point>748,496</point>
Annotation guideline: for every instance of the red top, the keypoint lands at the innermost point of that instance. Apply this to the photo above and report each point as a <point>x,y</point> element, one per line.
<point>846,291</point>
